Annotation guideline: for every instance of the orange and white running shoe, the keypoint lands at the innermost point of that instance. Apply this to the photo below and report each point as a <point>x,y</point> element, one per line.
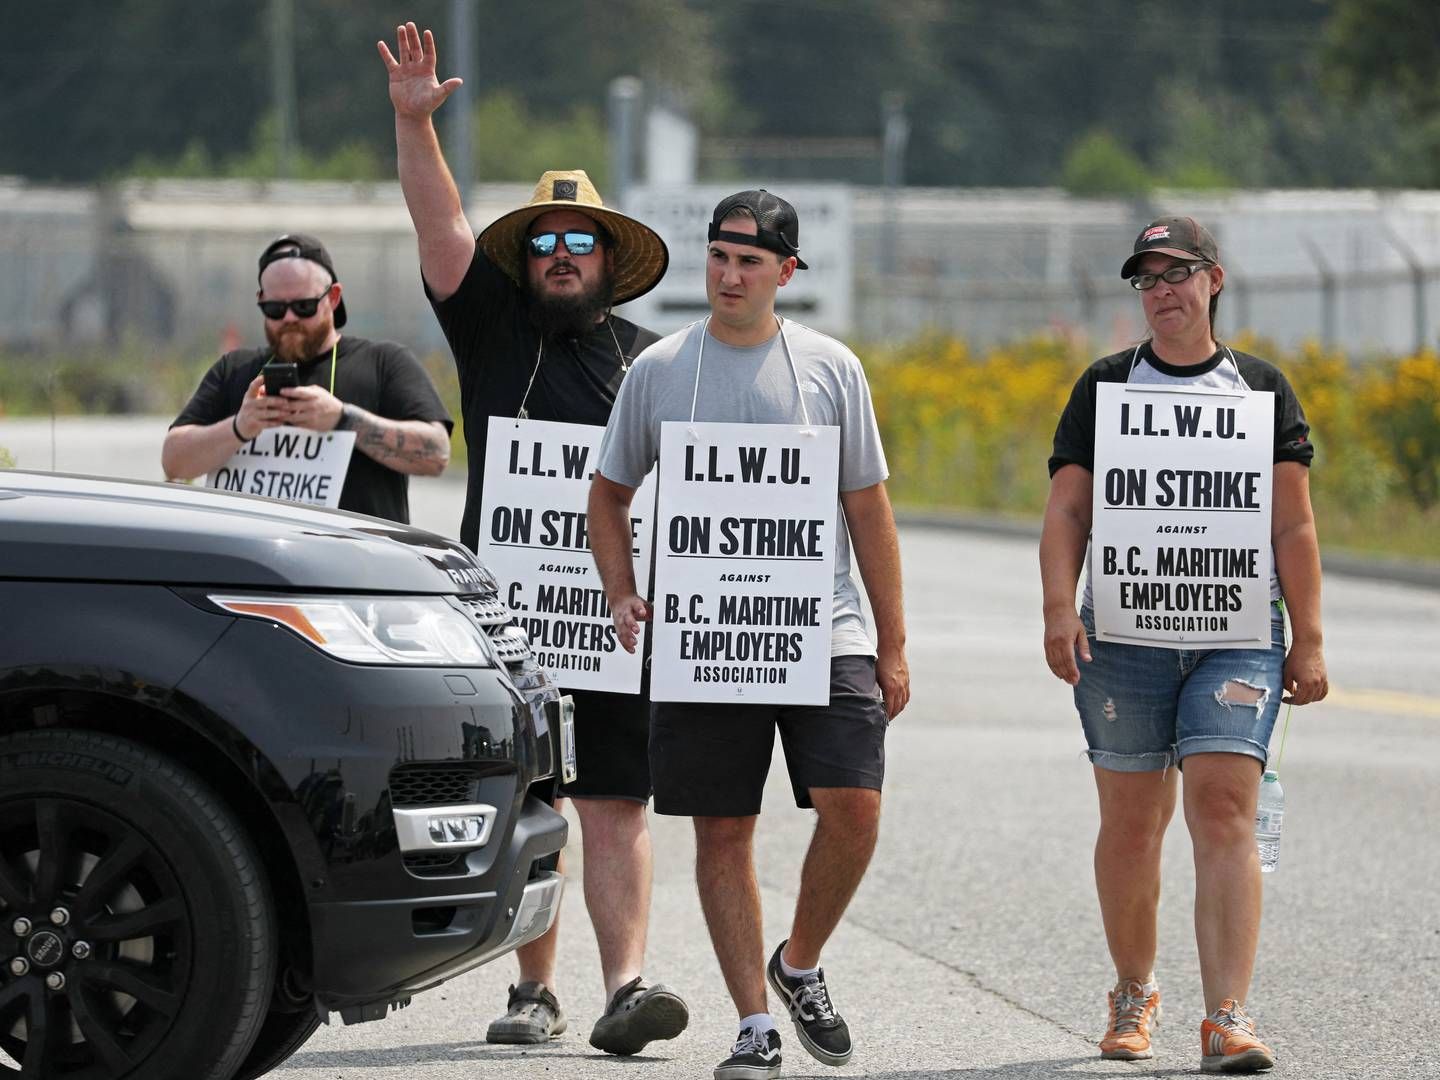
<point>1132,1012</point>
<point>1228,1042</point>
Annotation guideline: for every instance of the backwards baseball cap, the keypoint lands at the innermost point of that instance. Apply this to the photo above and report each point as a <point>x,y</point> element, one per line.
<point>1182,237</point>
<point>777,228</point>
<point>302,246</point>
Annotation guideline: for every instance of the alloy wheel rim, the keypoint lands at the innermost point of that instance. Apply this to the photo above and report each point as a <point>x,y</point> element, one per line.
<point>108,952</point>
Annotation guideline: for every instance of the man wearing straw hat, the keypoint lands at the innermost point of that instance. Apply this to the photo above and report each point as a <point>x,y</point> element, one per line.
<point>525,307</point>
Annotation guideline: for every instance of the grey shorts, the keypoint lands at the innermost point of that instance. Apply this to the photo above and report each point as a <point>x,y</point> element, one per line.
<point>711,760</point>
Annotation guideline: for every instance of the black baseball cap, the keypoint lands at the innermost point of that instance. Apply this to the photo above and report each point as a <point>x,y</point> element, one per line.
<point>302,246</point>
<point>1182,237</point>
<point>777,227</point>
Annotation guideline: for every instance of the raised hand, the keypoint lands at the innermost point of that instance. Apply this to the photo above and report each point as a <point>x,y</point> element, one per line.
<point>414,90</point>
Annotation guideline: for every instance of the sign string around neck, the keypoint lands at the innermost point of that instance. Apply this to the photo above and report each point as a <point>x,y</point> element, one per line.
<point>1240,382</point>
<point>524,413</point>
<point>794,372</point>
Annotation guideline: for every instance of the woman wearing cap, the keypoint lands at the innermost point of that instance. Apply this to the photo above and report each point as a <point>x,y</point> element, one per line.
<point>1209,712</point>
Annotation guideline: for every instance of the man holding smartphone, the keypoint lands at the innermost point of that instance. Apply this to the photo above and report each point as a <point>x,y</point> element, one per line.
<point>311,377</point>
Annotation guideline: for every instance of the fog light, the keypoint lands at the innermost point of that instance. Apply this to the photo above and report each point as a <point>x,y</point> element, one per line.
<point>444,828</point>
<point>463,829</point>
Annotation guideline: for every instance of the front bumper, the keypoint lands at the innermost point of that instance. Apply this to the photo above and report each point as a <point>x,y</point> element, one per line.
<point>377,951</point>
<point>350,744</point>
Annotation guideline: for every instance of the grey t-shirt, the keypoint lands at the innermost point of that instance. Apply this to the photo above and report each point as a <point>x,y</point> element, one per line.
<point>755,386</point>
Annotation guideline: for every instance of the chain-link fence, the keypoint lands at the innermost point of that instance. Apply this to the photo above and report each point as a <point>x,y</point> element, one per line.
<point>174,263</point>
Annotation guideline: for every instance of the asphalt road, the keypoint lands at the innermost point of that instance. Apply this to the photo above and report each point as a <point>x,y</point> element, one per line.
<point>974,948</point>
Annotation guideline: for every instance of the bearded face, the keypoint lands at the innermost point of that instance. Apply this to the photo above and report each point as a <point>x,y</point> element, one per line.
<point>292,338</point>
<point>298,340</point>
<point>573,312</point>
<point>567,294</point>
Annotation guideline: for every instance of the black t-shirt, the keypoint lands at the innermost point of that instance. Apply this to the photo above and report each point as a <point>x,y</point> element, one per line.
<point>1075,434</point>
<point>495,347</point>
<point>378,376</point>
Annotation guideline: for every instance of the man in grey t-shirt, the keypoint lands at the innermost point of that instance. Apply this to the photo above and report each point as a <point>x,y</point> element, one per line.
<point>709,761</point>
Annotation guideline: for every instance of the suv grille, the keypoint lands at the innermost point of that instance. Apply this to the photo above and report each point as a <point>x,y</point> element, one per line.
<point>440,864</point>
<point>445,783</point>
<point>509,641</point>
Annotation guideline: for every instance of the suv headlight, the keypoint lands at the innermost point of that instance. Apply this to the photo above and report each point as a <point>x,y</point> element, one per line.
<point>374,630</point>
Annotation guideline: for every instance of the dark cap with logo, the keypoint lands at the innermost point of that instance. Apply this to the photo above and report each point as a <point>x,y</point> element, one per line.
<point>303,246</point>
<point>1182,237</point>
<point>777,227</point>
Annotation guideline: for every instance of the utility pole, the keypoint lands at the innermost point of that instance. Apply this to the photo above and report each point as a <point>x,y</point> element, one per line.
<point>624,106</point>
<point>282,85</point>
<point>896,137</point>
<point>462,103</point>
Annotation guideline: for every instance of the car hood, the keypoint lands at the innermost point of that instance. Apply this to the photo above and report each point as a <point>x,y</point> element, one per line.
<point>87,528</point>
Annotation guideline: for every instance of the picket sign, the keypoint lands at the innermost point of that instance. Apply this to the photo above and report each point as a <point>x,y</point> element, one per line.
<point>745,566</point>
<point>1180,530</point>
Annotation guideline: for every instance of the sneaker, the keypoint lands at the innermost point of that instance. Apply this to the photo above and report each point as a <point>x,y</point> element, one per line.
<point>1132,1012</point>
<point>822,1032</point>
<point>639,1014</point>
<point>532,1015</point>
<point>1228,1042</point>
<point>754,1057</point>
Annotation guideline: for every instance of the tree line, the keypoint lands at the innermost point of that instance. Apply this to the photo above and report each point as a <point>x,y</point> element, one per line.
<point>1108,96</point>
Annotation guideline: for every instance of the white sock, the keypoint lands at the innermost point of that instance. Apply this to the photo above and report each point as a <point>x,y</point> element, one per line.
<point>761,1022</point>
<point>795,973</point>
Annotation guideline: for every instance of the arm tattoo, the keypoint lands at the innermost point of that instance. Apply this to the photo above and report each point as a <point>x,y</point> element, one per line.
<point>403,445</point>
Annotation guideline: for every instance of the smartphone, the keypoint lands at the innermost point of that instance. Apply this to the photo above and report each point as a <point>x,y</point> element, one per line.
<point>279,374</point>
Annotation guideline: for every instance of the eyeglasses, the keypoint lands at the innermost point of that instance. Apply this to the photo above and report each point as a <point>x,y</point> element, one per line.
<point>542,245</point>
<point>1174,275</point>
<point>274,310</point>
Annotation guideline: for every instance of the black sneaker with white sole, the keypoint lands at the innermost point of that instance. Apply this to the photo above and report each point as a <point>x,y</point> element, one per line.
<point>754,1057</point>
<point>822,1032</point>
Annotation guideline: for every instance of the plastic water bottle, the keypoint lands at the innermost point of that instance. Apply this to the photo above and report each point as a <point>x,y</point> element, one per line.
<point>1269,817</point>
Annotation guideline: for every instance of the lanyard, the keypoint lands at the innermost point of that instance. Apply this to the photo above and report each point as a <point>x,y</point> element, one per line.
<point>524,413</point>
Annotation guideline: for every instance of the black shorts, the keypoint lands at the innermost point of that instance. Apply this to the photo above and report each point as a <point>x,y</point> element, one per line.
<point>711,759</point>
<point>612,732</point>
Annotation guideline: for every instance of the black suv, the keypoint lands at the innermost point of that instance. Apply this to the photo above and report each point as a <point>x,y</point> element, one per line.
<point>258,764</point>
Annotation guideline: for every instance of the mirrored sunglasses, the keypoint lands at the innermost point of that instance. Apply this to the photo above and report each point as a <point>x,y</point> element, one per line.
<point>542,245</point>
<point>1174,275</point>
<point>274,310</point>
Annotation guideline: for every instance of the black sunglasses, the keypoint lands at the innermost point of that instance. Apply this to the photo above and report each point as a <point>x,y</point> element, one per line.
<point>274,310</point>
<point>1174,275</point>
<point>542,245</point>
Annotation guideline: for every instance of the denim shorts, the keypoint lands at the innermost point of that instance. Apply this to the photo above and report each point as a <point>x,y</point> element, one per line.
<point>1145,708</point>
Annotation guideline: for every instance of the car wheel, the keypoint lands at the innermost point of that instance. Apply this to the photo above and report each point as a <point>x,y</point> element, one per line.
<point>280,1036</point>
<point>135,926</point>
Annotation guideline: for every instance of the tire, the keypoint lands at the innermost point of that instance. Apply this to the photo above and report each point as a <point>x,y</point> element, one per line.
<point>280,1036</point>
<point>146,903</point>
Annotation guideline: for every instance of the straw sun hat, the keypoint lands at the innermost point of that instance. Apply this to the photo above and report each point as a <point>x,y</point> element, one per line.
<point>640,256</point>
